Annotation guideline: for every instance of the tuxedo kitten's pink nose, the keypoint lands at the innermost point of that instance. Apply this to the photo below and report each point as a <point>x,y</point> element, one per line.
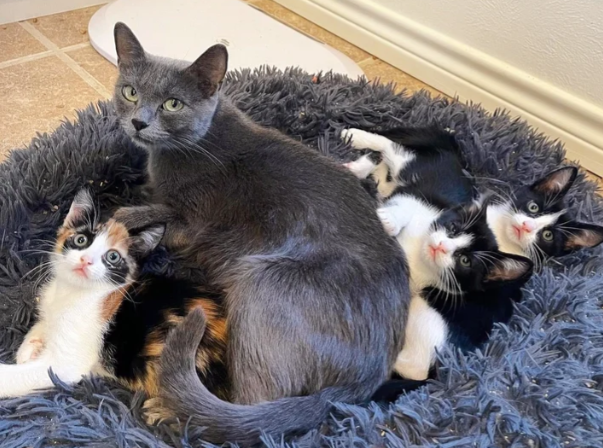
<point>439,248</point>
<point>528,226</point>
<point>85,260</point>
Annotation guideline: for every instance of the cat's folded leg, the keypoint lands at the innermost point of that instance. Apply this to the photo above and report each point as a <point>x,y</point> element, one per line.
<point>21,379</point>
<point>32,345</point>
<point>426,331</point>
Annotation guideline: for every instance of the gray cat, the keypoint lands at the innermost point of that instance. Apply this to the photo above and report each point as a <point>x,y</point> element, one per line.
<point>316,292</point>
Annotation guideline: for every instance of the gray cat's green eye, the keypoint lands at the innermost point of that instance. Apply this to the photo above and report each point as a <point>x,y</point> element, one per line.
<point>80,240</point>
<point>547,235</point>
<point>129,93</point>
<point>113,257</point>
<point>533,207</point>
<point>465,261</point>
<point>173,105</point>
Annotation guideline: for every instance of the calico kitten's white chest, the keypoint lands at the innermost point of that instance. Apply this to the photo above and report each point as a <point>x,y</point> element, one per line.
<point>73,322</point>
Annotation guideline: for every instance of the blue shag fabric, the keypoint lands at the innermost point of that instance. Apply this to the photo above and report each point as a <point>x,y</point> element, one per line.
<point>537,383</point>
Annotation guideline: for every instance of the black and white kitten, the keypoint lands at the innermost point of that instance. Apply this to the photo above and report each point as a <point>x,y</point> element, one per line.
<point>534,221</point>
<point>461,282</point>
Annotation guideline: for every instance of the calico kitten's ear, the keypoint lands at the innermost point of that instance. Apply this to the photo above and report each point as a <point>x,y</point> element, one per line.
<point>581,235</point>
<point>146,240</point>
<point>81,211</point>
<point>504,268</point>
<point>556,183</point>
<point>127,46</point>
<point>210,68</point>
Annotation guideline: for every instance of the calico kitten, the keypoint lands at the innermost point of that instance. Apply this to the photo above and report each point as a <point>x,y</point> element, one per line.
<point>98,314</point>
<point>92,265</point>
<point>534,222</point>
<point>316,293</point>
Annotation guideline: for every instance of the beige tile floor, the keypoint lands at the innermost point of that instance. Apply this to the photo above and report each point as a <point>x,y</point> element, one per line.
<point>48,69</point>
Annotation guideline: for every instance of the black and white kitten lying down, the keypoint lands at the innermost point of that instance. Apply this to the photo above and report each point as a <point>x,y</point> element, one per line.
<point>461,283</point>
<point>532,221</point>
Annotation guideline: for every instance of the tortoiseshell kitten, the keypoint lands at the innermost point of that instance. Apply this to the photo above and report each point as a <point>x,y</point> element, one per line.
<point>99,314</point>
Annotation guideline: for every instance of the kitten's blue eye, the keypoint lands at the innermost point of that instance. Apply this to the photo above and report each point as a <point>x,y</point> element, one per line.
<point>533,207</point>
<point>465,261</point>
<point>129,93</point>
<point>173,105</point>
<point>80,240</point>
<point>547,235</point>
<point>113,257</point>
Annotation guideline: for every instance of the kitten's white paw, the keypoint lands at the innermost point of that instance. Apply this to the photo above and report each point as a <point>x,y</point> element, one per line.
<point>30,349</point>
<point>361,139</point>
<point>391,226</point>
<point>411,370</point>
<point>361,168</point>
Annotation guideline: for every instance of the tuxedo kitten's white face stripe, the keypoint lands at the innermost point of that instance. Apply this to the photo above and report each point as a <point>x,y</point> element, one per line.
<point>517,232</point>
<point>441,250</point>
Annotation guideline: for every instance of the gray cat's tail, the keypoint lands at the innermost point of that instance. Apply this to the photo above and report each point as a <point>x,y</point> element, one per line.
<point>183,394</point>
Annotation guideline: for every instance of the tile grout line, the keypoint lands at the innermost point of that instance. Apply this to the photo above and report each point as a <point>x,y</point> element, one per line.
<point>74,66</point>
<point>28,58</point>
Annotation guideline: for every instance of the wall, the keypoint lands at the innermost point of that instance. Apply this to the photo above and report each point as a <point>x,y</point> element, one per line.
<point>557,41</point>
<point>16,10</point>
<point>538,59</point>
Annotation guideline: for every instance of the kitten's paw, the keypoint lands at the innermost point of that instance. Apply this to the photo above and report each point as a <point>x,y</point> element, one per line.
<point>155,412</point>
<point>30,349</point>
<point>361,168</point>
<point>391,226</point>
<point>360,139</point>
<point>411,371</point>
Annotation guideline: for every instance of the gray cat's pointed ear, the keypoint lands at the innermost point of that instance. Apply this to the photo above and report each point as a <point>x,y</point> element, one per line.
<point>81,211</point>
<point>556,183</point>
<point>210,68</point>
<point>127,46</point>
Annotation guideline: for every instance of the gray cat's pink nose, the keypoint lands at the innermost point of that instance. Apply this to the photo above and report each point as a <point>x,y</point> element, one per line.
<point>139,124</point>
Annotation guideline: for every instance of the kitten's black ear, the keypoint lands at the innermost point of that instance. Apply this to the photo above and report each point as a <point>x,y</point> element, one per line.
<point>210,68</point>
<point>81,211</point>
<point>127,46</point>
<point>505,268</point>
<point>581,235</point>
<point>557,182</point>
<point>144,241</point>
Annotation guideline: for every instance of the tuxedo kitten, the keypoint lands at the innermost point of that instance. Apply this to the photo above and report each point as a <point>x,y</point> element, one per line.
<point>409,156</point>
<point>461,282</point>
<point>534,222</point>
<point>97,314</point>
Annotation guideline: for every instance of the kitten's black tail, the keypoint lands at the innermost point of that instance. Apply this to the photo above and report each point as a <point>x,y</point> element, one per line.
<point>183,394</point>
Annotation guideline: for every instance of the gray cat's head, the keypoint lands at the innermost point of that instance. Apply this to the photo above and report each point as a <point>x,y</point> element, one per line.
<point>162,103</point>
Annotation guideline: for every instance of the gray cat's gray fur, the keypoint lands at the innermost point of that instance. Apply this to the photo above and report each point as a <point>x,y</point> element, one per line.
<point>316,293</point>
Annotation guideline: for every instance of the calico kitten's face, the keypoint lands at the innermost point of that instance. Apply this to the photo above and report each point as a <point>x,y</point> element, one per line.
<point>535,223</point>
<point>166,104</point>
<point>98,255</point>
<point>462,250</point>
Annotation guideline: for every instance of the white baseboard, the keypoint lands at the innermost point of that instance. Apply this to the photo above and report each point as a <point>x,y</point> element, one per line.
<point>17,10</point>
<point>459,70</point>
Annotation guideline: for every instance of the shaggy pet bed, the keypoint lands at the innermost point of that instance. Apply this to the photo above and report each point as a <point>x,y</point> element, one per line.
<point>537,383</point>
